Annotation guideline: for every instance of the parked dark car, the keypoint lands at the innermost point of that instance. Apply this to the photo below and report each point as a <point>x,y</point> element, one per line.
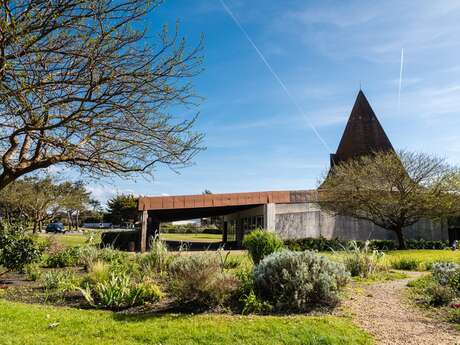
<point>55,227</point>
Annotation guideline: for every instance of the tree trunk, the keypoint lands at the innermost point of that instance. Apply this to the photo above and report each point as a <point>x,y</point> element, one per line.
<point>34,230</point>
<point>399,235</point>
<point>69,219</point>
<point>40,226</point>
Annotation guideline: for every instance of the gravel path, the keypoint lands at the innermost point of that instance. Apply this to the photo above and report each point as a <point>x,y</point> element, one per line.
<point>381,310</point>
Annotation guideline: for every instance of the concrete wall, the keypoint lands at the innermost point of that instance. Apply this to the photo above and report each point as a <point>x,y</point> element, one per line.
<point>301,220</point>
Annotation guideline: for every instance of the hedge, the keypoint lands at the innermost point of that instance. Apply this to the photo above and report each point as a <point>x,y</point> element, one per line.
<point>322,244</point>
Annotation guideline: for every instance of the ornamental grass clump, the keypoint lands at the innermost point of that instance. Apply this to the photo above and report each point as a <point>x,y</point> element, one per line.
<point>261,243</point>
<point>120,291</point>
<point>362,261</point>
<point>157,259</point>
<point>299,281</point>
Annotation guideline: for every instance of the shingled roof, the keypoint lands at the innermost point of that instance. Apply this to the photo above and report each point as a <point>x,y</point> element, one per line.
<point>363,133</point>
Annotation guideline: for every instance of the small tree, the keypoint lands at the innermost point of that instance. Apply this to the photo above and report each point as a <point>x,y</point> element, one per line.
<point>122,209</point>
<point>392,191</point>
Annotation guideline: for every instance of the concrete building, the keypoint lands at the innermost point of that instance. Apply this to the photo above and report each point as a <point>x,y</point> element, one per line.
<point>291,214</point>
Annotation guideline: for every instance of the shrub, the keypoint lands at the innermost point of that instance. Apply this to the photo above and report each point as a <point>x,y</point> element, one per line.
<point>198,280</point>
<point>261,243</point>
<point>453,314</point>
<point>406,264</point>
<point>298,281</point>
<point>17,251</point>
<point>444,272</point>
<point>321,244</point>
<point>361,261</point>
<point>67,257</point>
<point>437,295</point>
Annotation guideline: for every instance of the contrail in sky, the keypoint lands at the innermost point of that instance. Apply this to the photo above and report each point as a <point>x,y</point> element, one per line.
<point>275,75</point>
<point>400,78</point>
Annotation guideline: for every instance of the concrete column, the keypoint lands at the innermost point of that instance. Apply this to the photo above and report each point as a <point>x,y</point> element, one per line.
<point>143,246</point>
<point>225,232</point>
<point>269,217</point>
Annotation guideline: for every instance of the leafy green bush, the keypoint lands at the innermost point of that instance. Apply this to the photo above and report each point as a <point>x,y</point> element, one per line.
<point>298,281</point>
<point>261,243</point>
<point>437,295</point>
<point>17,250</point>
<point>407,264</point>
<point>68,257</point>
<point>199,280</point>
<point>362,262</point>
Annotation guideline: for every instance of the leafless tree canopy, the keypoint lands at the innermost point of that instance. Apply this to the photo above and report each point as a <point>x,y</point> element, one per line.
<point>393,190</point>
<point>81,84</point>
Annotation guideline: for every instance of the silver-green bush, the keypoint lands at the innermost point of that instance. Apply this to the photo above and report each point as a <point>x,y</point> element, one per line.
<point>299,281</point>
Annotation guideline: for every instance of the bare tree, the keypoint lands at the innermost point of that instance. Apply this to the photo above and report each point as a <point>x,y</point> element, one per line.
<point>392,191</point>
<point>81,84</point>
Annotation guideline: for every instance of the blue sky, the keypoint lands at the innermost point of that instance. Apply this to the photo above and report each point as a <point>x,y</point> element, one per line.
<point>257,139</point>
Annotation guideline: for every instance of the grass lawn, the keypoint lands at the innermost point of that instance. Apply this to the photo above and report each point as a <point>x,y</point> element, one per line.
<point>36,324</point>
<point>200,237</point>
<point>424,257</point>
<point>71,240</point>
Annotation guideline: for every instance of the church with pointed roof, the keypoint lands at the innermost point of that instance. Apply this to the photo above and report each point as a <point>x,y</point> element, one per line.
<point>292,214</point>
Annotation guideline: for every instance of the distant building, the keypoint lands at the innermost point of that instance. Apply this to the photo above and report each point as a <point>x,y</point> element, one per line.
<point>291,214</point>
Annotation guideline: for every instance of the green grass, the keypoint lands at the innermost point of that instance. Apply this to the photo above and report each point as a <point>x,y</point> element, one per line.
<point>381,277</point>
<point>200,237</point>
<point>423,257</point>
<point>33,324</point>
<point>71,240</point>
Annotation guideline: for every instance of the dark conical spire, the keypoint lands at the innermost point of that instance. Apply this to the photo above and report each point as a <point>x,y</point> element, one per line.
<point>363,133</point>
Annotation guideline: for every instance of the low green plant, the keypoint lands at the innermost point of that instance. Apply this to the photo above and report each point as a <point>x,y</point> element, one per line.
<point>119,291</point>
<point>261,243</point>
<point>299,281</point>
<point>33,271</point>
<point>68,257</point>
<point>406,264</point>
<point>453,314</point>
<point>88,255</point>
<point>254,305</point>
<point>198,280</point>
<point>61,281</point>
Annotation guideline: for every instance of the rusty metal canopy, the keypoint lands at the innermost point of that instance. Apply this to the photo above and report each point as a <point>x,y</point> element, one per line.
<point>227,200</point>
